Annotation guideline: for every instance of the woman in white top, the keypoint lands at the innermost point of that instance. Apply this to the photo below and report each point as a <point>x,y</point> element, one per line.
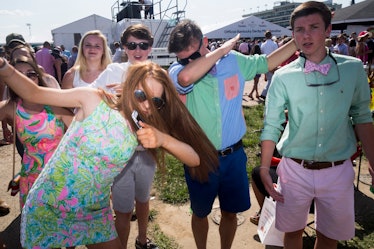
<point>93,57</point>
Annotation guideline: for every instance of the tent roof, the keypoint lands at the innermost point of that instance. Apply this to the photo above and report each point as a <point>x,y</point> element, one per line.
<point>362,12</point>
<point>93,21</point>
<point>250,26</point>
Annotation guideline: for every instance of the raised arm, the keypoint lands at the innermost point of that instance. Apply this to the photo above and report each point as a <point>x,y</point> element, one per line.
<point>28,90</point>
<point>199,67</point>
<point>281,54</point>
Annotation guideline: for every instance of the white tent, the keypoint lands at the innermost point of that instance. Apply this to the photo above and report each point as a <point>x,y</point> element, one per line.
<point>249,27</point>
<point>70,34</point>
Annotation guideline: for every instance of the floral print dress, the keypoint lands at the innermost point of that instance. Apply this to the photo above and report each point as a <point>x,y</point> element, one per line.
<point>40,135</point>
<point>69,204</point>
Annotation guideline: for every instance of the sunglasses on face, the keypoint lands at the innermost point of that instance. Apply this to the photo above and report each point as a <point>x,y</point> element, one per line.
<point>133,45</point>
<point>193,56</point>
<point>31,74</point>
<point>141,97</point>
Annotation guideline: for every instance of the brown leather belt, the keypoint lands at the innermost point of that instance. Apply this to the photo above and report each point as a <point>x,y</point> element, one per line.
<point>317,165</point>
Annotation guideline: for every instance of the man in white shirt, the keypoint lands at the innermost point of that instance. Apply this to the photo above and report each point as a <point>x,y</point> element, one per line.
<point>117,57</point>
<point>267,48</point>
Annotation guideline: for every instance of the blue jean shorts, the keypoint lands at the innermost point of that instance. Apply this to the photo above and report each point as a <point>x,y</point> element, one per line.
<point>229,183</point>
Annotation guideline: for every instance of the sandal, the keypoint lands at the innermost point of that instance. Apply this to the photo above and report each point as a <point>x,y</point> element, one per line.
<point>255,218</point>
<point>148,245</point>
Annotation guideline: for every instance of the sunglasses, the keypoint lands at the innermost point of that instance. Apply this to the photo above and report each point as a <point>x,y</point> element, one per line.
<point>193,56</point>
<point>141,45</point>
<point>31,74</point>
<point>141,97</point>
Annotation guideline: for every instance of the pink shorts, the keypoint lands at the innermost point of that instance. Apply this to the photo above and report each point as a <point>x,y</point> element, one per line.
<point>333,194</point>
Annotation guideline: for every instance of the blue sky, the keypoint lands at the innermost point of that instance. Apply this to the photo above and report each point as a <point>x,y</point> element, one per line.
<point>35,19</point>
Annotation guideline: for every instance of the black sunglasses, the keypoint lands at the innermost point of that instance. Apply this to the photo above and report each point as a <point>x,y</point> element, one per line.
<point>141,97</point>
<point>193,56</point>
<point>31,75</point>
<point>133,45</point>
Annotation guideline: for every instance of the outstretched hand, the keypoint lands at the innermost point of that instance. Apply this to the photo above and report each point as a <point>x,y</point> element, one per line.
<point>230,44</point>
<point>270,187</point>
<point>116,87</point>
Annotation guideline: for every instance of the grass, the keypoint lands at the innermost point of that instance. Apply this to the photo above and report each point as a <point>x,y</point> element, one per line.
<point>171,188</point>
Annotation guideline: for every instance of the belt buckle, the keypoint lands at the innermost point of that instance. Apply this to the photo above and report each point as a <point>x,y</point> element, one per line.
<point>226,151</point>
<point>308,163</point>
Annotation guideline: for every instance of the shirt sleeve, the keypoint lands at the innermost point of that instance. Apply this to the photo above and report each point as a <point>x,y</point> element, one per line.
<point>360,108</point>
<point>174,71</point>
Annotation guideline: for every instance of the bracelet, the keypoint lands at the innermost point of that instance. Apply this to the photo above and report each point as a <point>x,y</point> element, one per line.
<point>264,167</point>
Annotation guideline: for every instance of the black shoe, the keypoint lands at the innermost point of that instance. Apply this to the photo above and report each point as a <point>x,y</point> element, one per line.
<point>262,97</point>
<point>4,208</point>
<point>148,245</point>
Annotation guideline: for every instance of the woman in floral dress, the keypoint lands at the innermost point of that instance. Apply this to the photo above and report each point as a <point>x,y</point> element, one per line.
<point>69,203</point>
<point>39,127</point>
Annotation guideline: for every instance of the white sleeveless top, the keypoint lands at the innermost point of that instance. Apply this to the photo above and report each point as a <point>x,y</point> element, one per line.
<point>78,82</point>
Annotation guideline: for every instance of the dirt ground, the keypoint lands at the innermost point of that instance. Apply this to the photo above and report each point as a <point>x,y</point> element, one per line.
<point>174,221</point>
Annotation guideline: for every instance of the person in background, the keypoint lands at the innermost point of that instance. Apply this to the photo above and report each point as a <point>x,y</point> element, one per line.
<point>370,43</point>
<point>93,57</point>
<point>256,50</point>
<point>38,127</point>
<point>326,94</point>
<point>11,41</point>
<point>61,65</point>
<point>244,47</point>
<point>362,48</point>
<point>25,50</point>
<point>69,204</point>
<point>45,59</point>
<point>117,57</point>
<point>73,57</point>
<point>212,85</point>
<point>341,47</point>
<point>64,52</point>
<point>267,48</point>
<point>329,45</point>
<point>352,44</point>
<point>148,9</point>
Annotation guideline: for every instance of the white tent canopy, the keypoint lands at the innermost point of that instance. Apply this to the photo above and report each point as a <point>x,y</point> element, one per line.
<point>249,27</point>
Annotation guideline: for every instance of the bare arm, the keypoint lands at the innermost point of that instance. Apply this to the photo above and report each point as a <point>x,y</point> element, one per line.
<point>267,150</point>
<point>57,64</point>
<point>67,81</point>
<point>365,133</point>
<point>150,137</point>
<point>281,54</point>
<point>84,97</point>
<point>6,110</point>
<point>199,67</point>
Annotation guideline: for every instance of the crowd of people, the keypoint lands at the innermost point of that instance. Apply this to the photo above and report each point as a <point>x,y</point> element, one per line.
<point>100,138</point>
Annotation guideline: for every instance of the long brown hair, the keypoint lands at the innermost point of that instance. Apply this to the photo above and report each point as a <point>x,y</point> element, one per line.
<point>173,118</point>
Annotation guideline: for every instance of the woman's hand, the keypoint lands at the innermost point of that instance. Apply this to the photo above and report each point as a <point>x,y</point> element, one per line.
<point>149,136</point>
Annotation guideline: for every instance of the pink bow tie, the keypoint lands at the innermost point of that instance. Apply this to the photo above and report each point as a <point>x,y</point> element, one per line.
<point>311,66</point>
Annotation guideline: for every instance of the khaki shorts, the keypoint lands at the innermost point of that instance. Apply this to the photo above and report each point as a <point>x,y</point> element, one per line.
<point>134,182</point>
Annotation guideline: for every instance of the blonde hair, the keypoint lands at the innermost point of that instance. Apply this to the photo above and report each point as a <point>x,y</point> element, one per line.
<point>81,62</point>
